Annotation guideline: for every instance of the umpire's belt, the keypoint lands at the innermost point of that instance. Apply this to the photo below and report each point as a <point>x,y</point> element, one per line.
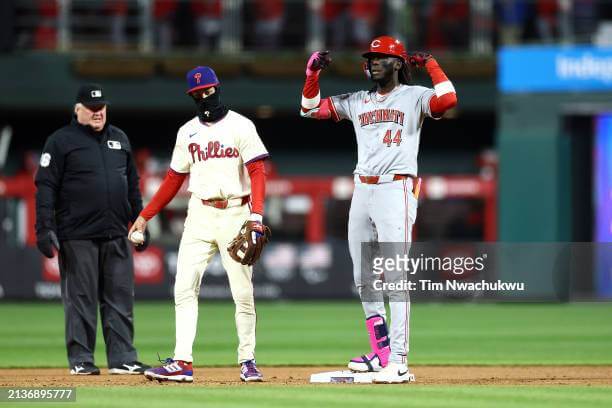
<point>385,178</point>
<point>223,203</point>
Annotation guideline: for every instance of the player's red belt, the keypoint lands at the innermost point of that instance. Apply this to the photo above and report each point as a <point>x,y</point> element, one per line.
<point>416,181</point>
<point>224,203</point>
<point>375,179</point>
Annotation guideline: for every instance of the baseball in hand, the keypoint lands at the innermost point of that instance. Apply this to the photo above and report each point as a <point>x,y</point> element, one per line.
<point>137,237</point>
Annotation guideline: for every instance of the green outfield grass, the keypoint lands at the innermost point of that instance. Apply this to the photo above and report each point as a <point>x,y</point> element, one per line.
<point>319,333</point>
<point>299,333</point>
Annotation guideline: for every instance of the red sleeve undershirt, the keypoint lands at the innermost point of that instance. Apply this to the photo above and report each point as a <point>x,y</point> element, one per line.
<point>257,173</point>
<point>439,105</point>
<point>311,90</point>
<point>311,86</point>
<point>165,193</point>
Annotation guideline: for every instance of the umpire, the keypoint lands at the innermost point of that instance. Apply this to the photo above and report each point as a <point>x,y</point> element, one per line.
<point>87,194</point>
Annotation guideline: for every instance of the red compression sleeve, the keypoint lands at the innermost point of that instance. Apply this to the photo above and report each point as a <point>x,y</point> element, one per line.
<point>439,105</point>
<point>311,94</point>
<point>445,97</point>
<point>257,173</point>
<point>165,193</point>
<point>311,86</point>
<point>312,105</point>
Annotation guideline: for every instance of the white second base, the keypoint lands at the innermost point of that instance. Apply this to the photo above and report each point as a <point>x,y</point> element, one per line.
<point>347,376</point>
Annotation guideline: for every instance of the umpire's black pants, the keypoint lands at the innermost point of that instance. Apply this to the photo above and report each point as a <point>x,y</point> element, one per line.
<point>92,272</point>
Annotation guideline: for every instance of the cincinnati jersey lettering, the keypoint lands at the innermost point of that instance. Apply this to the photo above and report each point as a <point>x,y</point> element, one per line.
<point>381,116</point>
<point>387,127</point>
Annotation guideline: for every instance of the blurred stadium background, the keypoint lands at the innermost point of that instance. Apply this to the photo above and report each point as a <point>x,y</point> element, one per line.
<point>523,158</point>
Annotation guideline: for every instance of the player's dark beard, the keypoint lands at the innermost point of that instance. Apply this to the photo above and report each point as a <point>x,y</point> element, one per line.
<point>210,108</point>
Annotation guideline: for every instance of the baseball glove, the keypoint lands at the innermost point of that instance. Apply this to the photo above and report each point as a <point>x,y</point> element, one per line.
<point>246,247</point>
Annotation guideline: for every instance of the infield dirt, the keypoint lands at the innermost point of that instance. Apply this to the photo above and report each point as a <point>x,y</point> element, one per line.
<point>425,375</point>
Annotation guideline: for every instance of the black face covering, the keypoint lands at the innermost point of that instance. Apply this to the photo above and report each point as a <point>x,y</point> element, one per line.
<point>210,108</point>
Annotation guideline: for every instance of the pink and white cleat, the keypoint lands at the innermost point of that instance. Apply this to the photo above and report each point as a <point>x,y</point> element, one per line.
<point>393,373</point>
<point>379,342</point>
<point>366,363</point>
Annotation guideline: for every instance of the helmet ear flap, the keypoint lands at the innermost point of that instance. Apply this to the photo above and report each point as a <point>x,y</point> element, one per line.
<point>366,69</point>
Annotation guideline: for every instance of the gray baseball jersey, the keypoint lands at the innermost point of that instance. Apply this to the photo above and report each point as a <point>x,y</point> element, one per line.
<point>387,127</point>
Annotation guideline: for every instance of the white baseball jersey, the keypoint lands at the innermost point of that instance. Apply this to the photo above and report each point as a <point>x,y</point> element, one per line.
<point>215,155</point>
<point>387,127</point>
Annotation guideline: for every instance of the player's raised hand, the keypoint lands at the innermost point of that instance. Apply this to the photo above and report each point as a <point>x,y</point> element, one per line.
<point>418,58</point>
<point>318,60</point>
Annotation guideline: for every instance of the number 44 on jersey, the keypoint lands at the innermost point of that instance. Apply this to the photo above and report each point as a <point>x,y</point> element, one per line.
<point>397,139</point>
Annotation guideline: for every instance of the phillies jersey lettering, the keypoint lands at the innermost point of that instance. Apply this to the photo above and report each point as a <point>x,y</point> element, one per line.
<point>215,155</point>
<point>214,150</point>
<point>387,127</point>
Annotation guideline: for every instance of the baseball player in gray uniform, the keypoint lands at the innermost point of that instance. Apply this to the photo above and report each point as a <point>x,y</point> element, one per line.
<point>387,120</point>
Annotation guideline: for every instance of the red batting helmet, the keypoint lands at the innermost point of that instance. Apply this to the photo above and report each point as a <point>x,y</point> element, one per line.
<point>387,45</point>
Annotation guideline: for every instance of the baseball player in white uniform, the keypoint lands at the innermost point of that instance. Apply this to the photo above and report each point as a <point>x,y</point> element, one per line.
<point>387,120</point>
<point>223,155</point>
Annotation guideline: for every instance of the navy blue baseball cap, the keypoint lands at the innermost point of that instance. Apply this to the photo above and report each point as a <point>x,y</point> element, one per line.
<point>91,95</point>
<point>201,78</point>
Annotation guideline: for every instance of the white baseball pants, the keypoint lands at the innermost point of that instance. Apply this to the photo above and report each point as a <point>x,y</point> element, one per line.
<point>208,230</point>
<point>383,213</point>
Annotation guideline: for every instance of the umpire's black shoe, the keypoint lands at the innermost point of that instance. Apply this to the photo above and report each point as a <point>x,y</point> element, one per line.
<point>84,369</point>
<point>135,367</point>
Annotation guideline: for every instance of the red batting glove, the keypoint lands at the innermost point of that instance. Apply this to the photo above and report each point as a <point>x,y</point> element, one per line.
<point>419,58</point>
<point>318,60</point>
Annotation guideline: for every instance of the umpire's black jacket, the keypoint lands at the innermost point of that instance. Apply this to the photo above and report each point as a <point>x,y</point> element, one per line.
<point>87,183</point>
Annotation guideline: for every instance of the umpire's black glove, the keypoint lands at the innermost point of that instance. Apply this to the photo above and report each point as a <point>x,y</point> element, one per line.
<point>46,240</point>
<point>145,243</point>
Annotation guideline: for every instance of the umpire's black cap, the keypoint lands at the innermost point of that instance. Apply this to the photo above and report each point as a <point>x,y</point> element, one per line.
<point>91,95</point>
